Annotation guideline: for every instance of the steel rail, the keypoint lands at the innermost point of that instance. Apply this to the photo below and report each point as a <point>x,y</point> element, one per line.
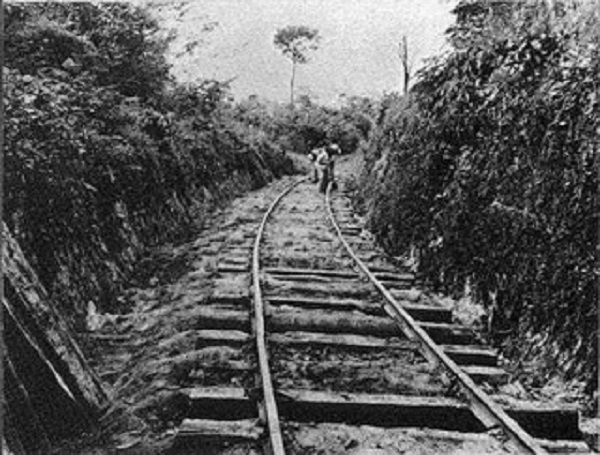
<point>482,405</point>
<point>268,412</point>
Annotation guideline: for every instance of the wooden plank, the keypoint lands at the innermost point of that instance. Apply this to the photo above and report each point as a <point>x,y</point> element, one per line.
<point>564,447</point>
<point>228,337</point>
<point>411,295</point>
<point>234,260</point>
<point>491,375</point>
<point>206,429</point>
<point>364,399</point>
<point>209,317</point>
<point>442,333</point>
<point>550,421</point>
<point>340,322</point>
<point>229,293</point>
<point>546,421</point>
<point>394,276</point>
<point>292,271</point>
<point>381,268</point>
<point>340,289</point>
<point>220,393</point>
<point>399,285</point>
<point>472,355</point>
<point>229,365</point>
<point>426,313</point>
<point>220,403</point>
<point>331,281</point>
<point>327,303</point>
<point>232,268</point>
<point>342,340</point>
<point>329,322</point>
<point>379,410</point>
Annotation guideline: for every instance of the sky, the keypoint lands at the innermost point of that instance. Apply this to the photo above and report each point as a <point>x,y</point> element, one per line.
<point>358,52</point>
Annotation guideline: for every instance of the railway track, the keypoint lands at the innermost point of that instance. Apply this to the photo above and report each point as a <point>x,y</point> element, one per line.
<point>340,351</point>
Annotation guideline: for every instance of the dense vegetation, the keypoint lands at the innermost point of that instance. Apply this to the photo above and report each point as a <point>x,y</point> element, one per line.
<point>104,153</point>
<point>487,173</point>
<point>309,124</point>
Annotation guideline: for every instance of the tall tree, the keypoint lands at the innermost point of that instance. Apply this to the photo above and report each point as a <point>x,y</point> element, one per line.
<point>295,43</point>
<point>406,62</point>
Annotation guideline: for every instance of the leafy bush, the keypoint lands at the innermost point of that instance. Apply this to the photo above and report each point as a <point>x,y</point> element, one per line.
<point>489,174</point>
<point>309,125</point>
<point>105,154</point>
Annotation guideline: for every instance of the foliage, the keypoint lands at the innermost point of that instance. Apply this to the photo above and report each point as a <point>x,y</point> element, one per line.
<point>104,153</point>
<point>489,174</point>
<point>117,46</point>
<point>296,41</point>
<point>310,125</point>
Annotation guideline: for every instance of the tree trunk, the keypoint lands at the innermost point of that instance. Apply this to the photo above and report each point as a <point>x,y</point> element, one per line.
<point>292,83</point>
<point>403,54</point>
<point>49,383</point>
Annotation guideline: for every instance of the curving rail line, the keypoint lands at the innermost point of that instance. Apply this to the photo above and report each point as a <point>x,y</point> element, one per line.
<point>236,420</point>
<point>483,407</point>
<point>268,412</point>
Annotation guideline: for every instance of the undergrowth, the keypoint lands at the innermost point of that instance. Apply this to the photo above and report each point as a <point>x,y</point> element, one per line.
<point>105,154</point>
<point>488,171</point>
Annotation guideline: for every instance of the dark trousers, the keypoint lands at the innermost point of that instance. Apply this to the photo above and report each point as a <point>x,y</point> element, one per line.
<point>325,175</point>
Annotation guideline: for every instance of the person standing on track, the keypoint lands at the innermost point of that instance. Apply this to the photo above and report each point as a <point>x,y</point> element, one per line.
<point>322,163</point>
<point>333,150</point>
<point>312,156</point>
<point>323,159</point>
<point>326,164</point>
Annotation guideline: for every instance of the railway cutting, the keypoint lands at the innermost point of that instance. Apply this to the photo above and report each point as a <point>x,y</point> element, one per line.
<point>334,347</point>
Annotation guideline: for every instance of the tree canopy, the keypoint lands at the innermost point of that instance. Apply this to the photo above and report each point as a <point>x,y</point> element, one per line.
<point>295,42</point>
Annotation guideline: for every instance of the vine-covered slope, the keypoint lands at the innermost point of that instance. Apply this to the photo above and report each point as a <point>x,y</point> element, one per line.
<point>487,173</point>
<point>104,152</point>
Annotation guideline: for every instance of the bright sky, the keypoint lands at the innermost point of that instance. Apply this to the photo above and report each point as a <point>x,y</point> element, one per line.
<point>357,54</point>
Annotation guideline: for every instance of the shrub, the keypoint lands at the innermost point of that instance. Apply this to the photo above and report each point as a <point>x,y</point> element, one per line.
<point>105,154</point>
<point>489,174</point>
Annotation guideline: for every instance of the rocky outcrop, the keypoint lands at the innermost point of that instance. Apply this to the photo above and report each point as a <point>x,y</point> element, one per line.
<point>50,390</point>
